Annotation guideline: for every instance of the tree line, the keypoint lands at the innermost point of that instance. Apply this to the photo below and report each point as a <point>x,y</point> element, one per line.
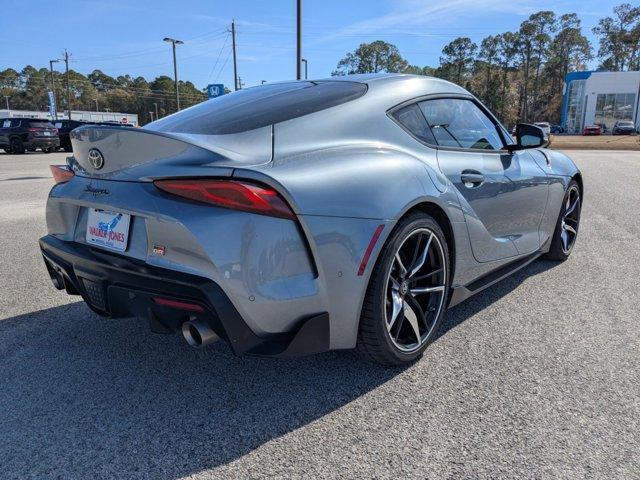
<point>27,90</point>
<point>519,75</point>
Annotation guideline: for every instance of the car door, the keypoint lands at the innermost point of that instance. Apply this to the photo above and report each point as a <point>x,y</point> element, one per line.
<point>503,194</point>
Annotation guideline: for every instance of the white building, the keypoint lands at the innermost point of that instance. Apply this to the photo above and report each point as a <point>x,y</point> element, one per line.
<point>83,115</point>
<point>600,98</point>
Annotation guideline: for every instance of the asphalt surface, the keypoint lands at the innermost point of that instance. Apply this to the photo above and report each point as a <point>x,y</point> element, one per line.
<point>536,378</point>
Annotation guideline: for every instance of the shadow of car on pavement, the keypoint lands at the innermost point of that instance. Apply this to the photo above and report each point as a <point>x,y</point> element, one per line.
<point>85,396</point>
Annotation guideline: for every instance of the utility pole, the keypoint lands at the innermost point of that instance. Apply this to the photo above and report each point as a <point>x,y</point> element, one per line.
<point>155,104</point>
<point>299,40</point>
<point>304,60</point>
<point>233,46</point>
<point>240,84</point>
<point>53,87</point>
<point>96,100</point>
<point>6,98</point>
<point>66,66</point>
<point>175,42</point>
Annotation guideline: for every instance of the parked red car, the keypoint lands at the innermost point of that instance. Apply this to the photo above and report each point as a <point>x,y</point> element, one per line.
<point>592,130</point>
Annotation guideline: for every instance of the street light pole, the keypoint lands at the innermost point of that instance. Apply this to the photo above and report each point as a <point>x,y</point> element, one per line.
<point>304,60</point>
<point>53,87</point>
<point>96,104</point>
<point>6,98</point>
<point>299,40</point>
<point>156,107</point>
<point>175,42</point>
<point>66,64</point>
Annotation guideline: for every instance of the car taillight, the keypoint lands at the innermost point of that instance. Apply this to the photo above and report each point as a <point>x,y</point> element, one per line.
<point>248,197</point>
<point>61,173</point>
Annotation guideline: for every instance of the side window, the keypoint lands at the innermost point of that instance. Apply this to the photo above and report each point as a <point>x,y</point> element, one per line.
<point>460,123</point>
<point>412,119</point>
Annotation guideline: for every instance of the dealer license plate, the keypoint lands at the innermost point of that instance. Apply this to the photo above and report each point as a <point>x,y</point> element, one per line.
<point>108,229</point>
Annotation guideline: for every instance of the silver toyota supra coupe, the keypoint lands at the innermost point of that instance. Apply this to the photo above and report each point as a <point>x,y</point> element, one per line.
<point>300,217</point>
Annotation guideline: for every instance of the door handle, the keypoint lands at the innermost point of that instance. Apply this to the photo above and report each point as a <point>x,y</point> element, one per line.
<point>471,178</point>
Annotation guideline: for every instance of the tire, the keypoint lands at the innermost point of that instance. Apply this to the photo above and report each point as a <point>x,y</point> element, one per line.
<point>17,147</point>
<point>403,338</point>
<point>569,218</point>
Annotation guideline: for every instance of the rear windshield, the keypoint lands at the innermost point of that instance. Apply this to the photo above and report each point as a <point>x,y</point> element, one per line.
<point>625,124</point>
<point>259,106</point>
<point>38,124</point>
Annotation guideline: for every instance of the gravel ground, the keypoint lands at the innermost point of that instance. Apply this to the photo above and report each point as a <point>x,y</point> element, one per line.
<point>596,142</point>
<point>535,378</point>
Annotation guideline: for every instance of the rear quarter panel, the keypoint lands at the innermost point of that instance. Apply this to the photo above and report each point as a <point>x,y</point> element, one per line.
<point>341,196</point>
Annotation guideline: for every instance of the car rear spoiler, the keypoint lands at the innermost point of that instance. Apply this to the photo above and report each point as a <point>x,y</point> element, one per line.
<point>136,154</point>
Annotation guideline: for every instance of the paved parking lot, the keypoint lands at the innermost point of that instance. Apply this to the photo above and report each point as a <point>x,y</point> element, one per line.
<point>536,378</point>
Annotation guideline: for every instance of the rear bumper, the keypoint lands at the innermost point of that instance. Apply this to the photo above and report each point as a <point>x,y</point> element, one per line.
<point>42,142</point>
<point>117,286</point>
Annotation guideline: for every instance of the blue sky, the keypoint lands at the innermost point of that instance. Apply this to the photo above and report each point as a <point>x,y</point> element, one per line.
<point>122,36</point>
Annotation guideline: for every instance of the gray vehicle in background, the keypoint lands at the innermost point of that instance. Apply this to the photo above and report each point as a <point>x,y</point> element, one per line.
<point>299,217</point>
<point>624,127</point>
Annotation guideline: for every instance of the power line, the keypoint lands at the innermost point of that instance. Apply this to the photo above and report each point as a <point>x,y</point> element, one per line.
<point>218,58</point>
<point>143,52</point>
<point>222,67</point>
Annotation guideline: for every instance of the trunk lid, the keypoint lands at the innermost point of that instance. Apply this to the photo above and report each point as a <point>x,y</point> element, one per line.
<point>136,154</point>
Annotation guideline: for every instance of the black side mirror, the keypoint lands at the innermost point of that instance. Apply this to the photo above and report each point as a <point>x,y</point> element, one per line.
<point>529,136</point>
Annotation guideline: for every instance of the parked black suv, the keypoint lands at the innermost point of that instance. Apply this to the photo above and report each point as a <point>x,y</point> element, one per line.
<point>20,134</point>
<point>64,127</point>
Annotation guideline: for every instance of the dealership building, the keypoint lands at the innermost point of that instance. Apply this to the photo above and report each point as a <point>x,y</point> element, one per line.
<point>81,115</point>
<point>600,98</point>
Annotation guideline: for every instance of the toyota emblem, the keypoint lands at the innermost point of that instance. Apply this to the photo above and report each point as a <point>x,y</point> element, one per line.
<point>96,159</point>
